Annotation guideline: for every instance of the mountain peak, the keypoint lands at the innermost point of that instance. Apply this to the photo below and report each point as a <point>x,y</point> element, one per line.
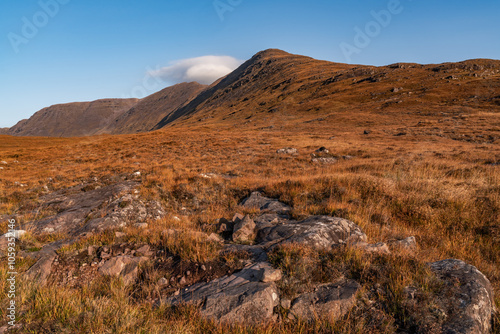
<point>271,53</point>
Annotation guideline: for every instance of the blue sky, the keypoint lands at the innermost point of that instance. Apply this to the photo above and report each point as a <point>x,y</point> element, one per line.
<point>86,50</point>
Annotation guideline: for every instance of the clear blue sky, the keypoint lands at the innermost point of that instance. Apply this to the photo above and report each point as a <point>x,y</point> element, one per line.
<point>93,49</point>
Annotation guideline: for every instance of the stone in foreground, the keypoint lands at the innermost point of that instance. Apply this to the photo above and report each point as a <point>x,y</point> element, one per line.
<point>320,232</point>
<point>471,303</point>
<point>329,300</point>
<point>239,298</point>
<point>244,230</point>
<point>123,266</point>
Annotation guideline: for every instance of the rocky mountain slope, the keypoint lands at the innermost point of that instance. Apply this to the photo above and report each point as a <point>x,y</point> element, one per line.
<point>151,110</point>
<point>275,87</point>
<point>73,119</point>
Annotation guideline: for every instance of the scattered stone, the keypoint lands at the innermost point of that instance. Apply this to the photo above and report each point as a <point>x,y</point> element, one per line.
<point>367,132</point>
<point>41,270</point>
<point>409,243</point>
<point>105,255</point>
<point>120,234</point>
<point>137,174</point>
<point>3,162</point>
<point>145,251</point>
<point>287,150</point>
<point>379,248</point>
<point>325,160</point>
<point>163,281</point>
<point>208,175</point>
<point>470,301</point>
<point>239,298</point>
<point>123,266</point>
<point>269,274</point>
<point>329,300</point>
<point>45,257</point>
<point>213,237</point>
<point>256,200</point>
<point>286,303</point>
<point>91,250</point>
<point>321,232</point>
<point>237,217</point>
<point>182,281</point>
<point>141,225</point>
<point>323,150</point>
<point>225,226</point>
<point>244,230</point>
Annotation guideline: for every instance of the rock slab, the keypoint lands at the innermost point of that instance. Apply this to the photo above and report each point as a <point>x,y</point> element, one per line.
<point>240,298</point>
<point>320,232</point>
<point>331,300</point>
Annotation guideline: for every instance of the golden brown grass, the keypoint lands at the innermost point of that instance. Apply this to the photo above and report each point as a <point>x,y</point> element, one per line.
<point>440,189</point>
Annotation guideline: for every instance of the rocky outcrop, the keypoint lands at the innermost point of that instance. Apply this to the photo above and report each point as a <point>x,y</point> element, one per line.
<point>247,296</point>
<point>90,208</point>
<point>320,232</point>
<point>257,201</point>
<point>468,297</point>
<point>331,300</point>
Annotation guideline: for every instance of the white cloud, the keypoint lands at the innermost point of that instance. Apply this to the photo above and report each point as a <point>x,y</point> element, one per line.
<point>204,70</point>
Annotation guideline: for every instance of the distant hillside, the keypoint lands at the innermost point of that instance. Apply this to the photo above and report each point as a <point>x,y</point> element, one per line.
<point>73,119</point>
<point>151,110</point>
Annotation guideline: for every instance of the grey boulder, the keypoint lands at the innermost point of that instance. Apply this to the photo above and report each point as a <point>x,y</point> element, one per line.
<point>244,230</point>
<point>331,300</point>
<point>257,201</point>
<point>320,232</point>
<point>469,302</point>
<point>243,297</point>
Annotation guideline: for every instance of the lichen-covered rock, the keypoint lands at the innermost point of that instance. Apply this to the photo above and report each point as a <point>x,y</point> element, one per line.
<point>257,201</point>
<point>239,298</point>
<point>320,232</point>
<point>378,248</point>
<point>331,300</point>
<point>124,266</point>
<point>83,209</point>
<point>41,270</point>
<point>244,230</point>
<point>287,150</point>
<point>409,244</point>
<point>469,300</point>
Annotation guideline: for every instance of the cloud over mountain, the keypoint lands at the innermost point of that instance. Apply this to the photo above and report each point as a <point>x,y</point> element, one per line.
<point>204,70</point>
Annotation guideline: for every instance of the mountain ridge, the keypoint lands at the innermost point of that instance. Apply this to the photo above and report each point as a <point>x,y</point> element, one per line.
<point>274,86</point>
